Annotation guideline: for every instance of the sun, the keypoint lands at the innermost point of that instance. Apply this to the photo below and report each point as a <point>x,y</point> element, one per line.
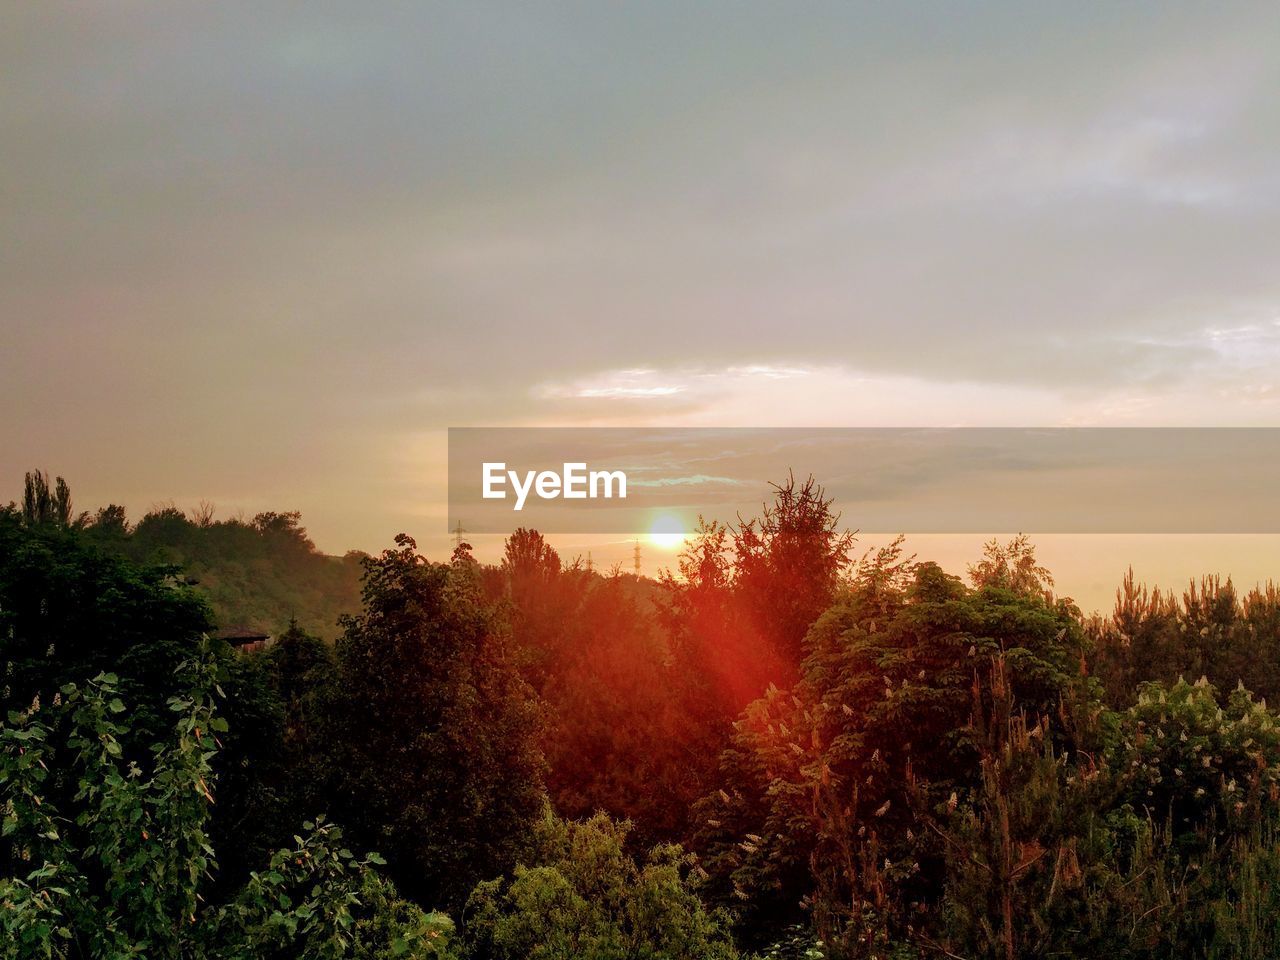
<point>666,531</point>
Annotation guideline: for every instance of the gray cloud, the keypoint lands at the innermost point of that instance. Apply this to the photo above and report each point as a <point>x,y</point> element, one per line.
<point>276,234</point>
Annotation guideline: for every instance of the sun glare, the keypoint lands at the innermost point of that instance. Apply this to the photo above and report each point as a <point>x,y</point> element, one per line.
<point>666,532</point>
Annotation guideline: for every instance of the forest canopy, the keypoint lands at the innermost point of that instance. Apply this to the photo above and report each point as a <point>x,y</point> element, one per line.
<point>258,574</point>
<point>781,748</point>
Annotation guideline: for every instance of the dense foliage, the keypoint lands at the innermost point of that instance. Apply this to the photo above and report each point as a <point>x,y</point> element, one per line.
<point>257,574</point>
<point>433,729</point>
<point>775,750</point>
<point>587,899</point>
<point>119,871</point>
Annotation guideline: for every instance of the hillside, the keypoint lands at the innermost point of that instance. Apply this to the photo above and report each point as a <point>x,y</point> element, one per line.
<point>256,574</point>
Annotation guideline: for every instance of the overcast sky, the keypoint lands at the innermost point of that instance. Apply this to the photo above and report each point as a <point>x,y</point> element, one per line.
<point>264,253</point>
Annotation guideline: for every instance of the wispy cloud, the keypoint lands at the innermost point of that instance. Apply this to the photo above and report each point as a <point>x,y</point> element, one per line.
<point>698,479</point>
<point>648,383</point>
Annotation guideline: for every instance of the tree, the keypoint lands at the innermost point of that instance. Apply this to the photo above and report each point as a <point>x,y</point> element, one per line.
<point>1197,764</point>
<point>714,634</point>
<point>1191,819</point>
<point>110,525</point>
<point>436,732</point>
<point>1012,566</point>
<point>1014,848</point>
<point>542,601</point>
<point>625,727</point>
<point>624,732</point>
<point>259,800</point>
<point>285,528</point>
<point>825,783</point>
<point>69,611</point>
<point>122,870</point>
<point>789,561</point>
<point>279,760</point>
<point>581,897</point>
<point>261,574</point>
<point>301,670</point>
<point>42,505</point>
<point>1210,630</point>
<point>528,559</point>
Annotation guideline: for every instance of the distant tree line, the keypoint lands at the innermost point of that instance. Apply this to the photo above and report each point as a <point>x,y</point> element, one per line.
<point>258,574</point>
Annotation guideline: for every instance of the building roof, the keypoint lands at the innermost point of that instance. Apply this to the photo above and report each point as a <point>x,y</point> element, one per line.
<point>240,636</point>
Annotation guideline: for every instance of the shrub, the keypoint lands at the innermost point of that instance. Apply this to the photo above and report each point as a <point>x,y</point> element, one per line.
<point>586,899</point>
<point>121,873</point>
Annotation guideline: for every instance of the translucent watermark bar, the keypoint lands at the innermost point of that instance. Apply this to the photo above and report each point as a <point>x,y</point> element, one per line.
<point>883,480</point>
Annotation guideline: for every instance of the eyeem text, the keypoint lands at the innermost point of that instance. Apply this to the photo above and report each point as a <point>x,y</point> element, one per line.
<point>574,482</point>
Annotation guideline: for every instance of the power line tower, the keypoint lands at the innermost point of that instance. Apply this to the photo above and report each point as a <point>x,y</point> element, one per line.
<point>637,554</point>
<point>590,566</point>
<point>458,531</point>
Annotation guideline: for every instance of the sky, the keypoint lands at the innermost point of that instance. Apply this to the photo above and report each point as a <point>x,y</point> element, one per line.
<point>264,254</point>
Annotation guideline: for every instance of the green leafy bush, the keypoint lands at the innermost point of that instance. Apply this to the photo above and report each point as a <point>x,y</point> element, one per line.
<point>1194,764</point>
<point>121,873</point>
<point>586,899</point>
